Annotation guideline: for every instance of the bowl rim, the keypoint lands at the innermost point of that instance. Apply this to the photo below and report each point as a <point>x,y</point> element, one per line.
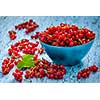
<point>68,47</point>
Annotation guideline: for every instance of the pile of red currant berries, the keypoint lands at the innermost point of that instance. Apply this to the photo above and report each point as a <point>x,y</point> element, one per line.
<point>66,35</point>
<point>44,68</point>
<point>86,72</point>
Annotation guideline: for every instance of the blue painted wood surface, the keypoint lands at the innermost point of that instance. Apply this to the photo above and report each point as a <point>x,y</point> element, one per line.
<point>93,57</point>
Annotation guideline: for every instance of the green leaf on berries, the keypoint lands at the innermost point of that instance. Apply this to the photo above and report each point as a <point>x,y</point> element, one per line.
<point>27,57</point>
<point>26,62</point>
<point>20,65</point>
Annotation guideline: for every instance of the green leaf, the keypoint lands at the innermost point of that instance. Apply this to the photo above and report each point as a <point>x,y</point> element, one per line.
<point>29,63</point>
<point>20,65</point>
<point>27,57</point>
<point>26,62</point>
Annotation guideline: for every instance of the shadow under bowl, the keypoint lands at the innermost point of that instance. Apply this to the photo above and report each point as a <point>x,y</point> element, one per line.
<point>67,55</point>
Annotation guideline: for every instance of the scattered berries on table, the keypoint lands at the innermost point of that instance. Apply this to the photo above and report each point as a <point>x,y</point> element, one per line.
<point>42,67</point>
<point>84,73</point>
<point>29,26</point>
<point>45,68</point>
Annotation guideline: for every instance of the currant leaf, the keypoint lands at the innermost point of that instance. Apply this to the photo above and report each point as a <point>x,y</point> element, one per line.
<point>26,62</point>
<point>20,65</point>
<point>27,57</point>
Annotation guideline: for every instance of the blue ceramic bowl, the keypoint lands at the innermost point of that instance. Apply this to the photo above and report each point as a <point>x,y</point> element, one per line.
<point>67,55</point>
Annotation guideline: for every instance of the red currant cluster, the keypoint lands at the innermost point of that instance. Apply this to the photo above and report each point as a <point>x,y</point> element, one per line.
<point>7,65</point>
<point>25,46</point>
<point>86,72</point>
<point>66,35</point>
<point>18,75</point>
<point>13,52</point>
<point>28,47</point>
<point>12,35</point>
<point>56,71</point>
<point>29,26</point>
<point>45,68</point>
<point>93,68</point>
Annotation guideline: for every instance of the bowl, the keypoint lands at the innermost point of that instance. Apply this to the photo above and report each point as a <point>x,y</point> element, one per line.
<point>67,55</point>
